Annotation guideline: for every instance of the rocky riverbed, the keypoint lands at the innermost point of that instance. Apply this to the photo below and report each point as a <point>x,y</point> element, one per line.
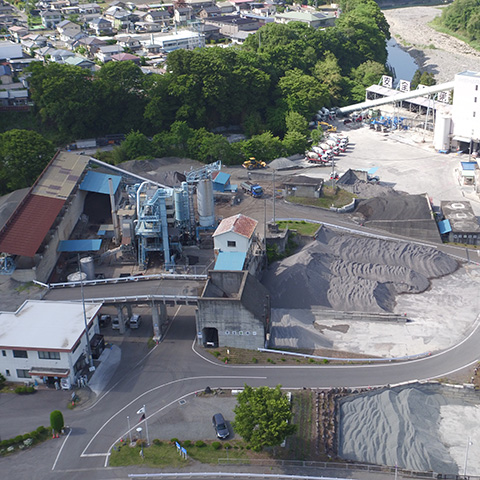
<point>434,52</point>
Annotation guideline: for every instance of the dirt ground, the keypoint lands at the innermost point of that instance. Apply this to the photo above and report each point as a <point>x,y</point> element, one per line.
<point>434,52</point>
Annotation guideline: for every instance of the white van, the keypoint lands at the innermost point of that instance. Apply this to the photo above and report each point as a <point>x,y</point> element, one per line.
<point>135,321</point>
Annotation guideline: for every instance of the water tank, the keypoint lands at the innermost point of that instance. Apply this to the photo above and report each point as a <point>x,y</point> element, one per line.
<point>87,266</point>
<point>77,277</point>
<point>181,205</point>
<point>441,136</point>
<point>205,204</point>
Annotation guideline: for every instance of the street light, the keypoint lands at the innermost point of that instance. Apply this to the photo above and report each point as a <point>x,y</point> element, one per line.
<point>466,457</point>
<point>139,430</point>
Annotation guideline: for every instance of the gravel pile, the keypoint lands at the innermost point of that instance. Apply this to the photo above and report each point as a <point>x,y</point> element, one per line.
<point>282,163</point>
<point>401,426</point>
<point>352,273</point>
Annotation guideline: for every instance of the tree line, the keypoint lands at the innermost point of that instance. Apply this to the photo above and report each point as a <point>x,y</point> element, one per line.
<point>462,17</point>
<point>270,86</point>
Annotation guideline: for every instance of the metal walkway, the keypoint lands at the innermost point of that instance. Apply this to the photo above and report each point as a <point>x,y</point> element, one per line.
<point>398,97</point>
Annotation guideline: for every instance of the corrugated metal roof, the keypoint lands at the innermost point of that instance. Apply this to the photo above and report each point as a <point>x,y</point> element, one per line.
<point>230,261</point>
<point>469,165</point>
<point>98,182</point>
<point>24,232</point>
<point>87,245</point>
<point>60,177</point>
<point>240,224</point>
<point>221,177</point>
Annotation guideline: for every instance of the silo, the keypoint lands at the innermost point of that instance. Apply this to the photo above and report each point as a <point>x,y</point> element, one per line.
<point>87,266</point>
<point>441,137</point>
<point>77,277</point>
<point>205,204</point>
<point>181,205</point>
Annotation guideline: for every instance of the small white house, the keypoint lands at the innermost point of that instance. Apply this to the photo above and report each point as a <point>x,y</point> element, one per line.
<point>46,341</point>
<point>234,234</point>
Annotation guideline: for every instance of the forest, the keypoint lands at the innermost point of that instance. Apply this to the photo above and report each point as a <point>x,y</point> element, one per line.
<point>270,87</point>
<point>462,18</point>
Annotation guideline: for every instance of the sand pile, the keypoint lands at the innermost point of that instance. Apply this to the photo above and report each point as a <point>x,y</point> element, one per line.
<point>402,426</point>
<point>352,273</point>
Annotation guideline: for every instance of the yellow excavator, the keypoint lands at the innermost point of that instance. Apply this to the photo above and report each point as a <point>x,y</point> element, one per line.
<point>327,127</point>
<point>252,163</point>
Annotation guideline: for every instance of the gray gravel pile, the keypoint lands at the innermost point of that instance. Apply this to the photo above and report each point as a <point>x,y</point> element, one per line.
<point>351,273</point>
<point>282,163</point>
<point>396,427</point>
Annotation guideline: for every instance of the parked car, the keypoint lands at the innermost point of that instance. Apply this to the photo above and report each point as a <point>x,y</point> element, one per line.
<point>220,426</point>
<point>116,323</point>
<point>104,320</point>
<point>135,321</point>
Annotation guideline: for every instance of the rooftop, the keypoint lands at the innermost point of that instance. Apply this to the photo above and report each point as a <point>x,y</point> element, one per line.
<point>239,224</point>
<point>43,325</point>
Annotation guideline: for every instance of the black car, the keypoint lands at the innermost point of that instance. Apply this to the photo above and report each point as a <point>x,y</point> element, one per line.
<point>220,426</point>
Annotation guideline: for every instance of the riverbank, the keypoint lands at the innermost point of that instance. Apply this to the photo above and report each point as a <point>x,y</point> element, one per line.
<point>434,52</point>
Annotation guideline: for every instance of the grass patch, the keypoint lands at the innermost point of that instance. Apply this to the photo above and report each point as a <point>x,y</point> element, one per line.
<point>439,27</point>
<point>165,454</point>
<point>301,226</point>
<point>335,197</point>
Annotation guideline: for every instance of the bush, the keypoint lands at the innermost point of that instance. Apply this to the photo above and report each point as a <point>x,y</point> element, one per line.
<point>227,445</point>
<point>24,390</point>
<point>2,381</point>
<point>216,445</point>
<point>200,443</point>
<point>254,360</point>
<point>187,443</point>
<point>26,436</point>
<point>41,430</point>
<point>157,442</point>
<point>18,439</point>
<point>173,440</point>
<point>56,421</point>
<point>216,353</point>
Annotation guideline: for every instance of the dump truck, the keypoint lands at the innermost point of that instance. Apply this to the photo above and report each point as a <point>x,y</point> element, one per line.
<point>252,163</point>
<point>253,189</point>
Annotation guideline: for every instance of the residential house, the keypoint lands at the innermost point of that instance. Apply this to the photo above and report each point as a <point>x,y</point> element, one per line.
<point>13,98</point>
<point>50,18</point>
<point>89,9</point>
<point>67,11</point>
<point>148,27</point>
<point>104,54</point>
<point>183,14</point>
<point>210,32</point>
<point>92,44</point>
<point>198,5</point>
<point>68,25</point>
<point>232,24</point>
<point>47,341</point>
<point>234,234</point>
<point>71,37</point>
<point>128,42</point>
<point>226,7</point>
<point>206,12</point>
<point>81,62</point>
<point>119,17</point>
<point>58,5</point>
<point>125,57</point>
<point>101,26</point>
<point>6,74</point>
<point>53,54</point>
<point>19,64</point>
<point>17,32</point>
<point>158,16</point>
<point>33,40</point>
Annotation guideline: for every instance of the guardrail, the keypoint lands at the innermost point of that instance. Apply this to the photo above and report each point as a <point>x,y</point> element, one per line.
<point>132,278</point>
<point>364,360</point>
<point>167,299</point>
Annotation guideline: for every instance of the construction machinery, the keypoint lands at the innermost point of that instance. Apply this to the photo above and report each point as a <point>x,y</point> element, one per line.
<point>252,163</point>
<point>327,127</point>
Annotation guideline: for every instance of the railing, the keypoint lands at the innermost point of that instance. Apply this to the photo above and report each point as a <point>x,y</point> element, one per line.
<point>167,299</point>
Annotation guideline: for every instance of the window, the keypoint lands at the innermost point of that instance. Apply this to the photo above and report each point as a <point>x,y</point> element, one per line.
<point>7,373</point>
<point>476,87</point>
<point>49,355</point>
<point>231,243</point>
<point>473,114</point>
<point>22,373</point>
<point>4,353</point>
<point>20,354</point>
<point>475,99</point>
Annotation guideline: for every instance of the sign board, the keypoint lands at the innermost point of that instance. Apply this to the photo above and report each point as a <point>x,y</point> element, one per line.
<point>387,81</point>
<point>404,86</point>
<point>444,97</point>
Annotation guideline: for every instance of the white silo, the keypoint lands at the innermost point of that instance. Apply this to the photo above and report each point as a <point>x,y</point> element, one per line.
<point>87,266</point>
<point>205,203</point>
<point>182,214</point>
<point>441,135</point>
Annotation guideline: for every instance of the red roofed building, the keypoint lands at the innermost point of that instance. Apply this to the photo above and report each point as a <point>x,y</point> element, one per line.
<point>235,234</point>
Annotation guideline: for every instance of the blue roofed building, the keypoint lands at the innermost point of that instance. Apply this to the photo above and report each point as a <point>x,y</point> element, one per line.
<point>230,261</point>
<point>99,182</point>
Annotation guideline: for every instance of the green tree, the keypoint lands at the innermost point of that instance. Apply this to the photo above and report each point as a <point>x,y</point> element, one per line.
<point>294,142</point>
<point>317,135</point>
<point>422,78</point>
<point>263,416</point>
<point>56,421</point>
<point>23,156</point>
<point>296,123</point>
<point>329,73</point>
<point>136,144</point>
<point>264,147</point>
<point>367,74</point>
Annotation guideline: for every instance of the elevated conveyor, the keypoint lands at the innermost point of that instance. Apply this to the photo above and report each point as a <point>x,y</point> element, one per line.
<point>398,97</point>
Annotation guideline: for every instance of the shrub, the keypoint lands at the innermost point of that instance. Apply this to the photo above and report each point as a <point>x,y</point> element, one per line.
<point>216,445</point>
<point>227,445</point>
<point>325,360</point>
<point>254,360</point>
<point>24,390</point>
<point>200,443</point>
<point>2,381</point>
<point>173,440</point>
<point>157,442</point>
<point>56,421</point>
<point>40,430</point>
<point>216,353</point>
<point>26,436</point>
<point>18,439</point>
<point>187,443</point>
<point>151,343</point>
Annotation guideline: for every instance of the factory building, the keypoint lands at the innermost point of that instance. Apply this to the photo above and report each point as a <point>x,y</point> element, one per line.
<point>460,225</point>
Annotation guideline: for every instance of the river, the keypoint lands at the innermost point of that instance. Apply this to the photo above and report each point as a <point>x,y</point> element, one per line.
<point>401,62</point>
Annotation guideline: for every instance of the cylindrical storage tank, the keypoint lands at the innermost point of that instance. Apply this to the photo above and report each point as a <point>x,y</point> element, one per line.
<point>441,136</point>
<point>77,277</point>
<point>205,205</point>
<point>181,205</point>
<point>87,266</point>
